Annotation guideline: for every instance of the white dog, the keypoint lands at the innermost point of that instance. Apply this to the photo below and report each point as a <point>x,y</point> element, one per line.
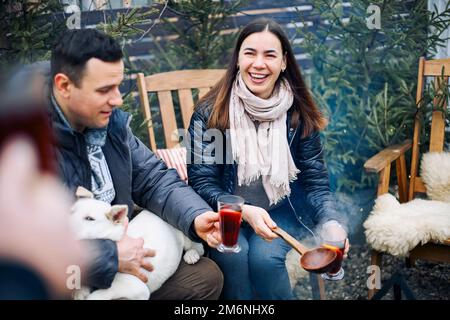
<point>94,219</point>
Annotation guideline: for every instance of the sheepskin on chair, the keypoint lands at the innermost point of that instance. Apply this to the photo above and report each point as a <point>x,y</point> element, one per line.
<point>435,173</point>
<point>397,228</point>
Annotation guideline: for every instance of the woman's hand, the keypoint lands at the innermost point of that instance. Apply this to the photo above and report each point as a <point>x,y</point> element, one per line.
<point>260,221</point>
<point>333,230</point>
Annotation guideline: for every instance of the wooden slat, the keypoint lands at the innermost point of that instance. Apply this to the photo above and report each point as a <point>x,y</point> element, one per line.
<point>416,134</point>
<point>419,186</point>
<point>438,122</point>
<point>202,92</point>
<point>186,105</point>
<point>400,165</point>
<point>168,117</point>
<point>384,158</point>
<point>183,79</point>
<point>145,105</point>
<point>383,182</point>
<point>437,132</point>
<point>431,251</point>
<point>434,67</point>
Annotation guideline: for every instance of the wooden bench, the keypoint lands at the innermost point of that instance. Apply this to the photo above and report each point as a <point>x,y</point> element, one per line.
<point>186,84</point>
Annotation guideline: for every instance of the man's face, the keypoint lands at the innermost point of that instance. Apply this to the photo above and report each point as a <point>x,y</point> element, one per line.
<point>90,104</point>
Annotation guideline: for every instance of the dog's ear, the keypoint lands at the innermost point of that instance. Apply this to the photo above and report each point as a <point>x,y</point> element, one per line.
<point>118,213</point>
<point>83,193</point>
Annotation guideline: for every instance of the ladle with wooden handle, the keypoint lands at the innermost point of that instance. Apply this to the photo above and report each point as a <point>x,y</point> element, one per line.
<point>317,260</point>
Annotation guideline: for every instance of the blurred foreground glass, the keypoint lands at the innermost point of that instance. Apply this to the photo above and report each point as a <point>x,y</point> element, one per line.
<point>230,216</point>
<point>30,121</point>
<point>23,113</point>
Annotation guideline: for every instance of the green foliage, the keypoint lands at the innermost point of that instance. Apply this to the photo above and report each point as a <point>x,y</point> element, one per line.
<point>200,42</point>
<point>138,124</point>
<point>28,30</point>
<point>126,25</point>
<point>123,27</point>
<point>365,79</point>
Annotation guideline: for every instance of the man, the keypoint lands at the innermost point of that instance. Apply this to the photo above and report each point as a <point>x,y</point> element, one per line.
<point>97,150</point>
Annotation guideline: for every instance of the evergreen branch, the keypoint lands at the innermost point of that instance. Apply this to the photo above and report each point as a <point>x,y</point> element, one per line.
<point>154,23</point>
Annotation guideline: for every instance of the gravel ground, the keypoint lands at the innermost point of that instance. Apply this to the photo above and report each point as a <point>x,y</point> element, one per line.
<point>427,281</point>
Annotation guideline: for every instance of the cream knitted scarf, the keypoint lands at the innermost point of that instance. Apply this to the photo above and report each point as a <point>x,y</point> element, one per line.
<point>263,152</point>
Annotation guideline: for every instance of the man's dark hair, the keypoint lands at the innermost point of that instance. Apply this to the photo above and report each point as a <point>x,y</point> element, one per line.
<point>76,47</point>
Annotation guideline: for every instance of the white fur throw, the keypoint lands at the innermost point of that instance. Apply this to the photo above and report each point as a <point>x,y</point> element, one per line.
<point>435,173</point>
<point>397,228</point>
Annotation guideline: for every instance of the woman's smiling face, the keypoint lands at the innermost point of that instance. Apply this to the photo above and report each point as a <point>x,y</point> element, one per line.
<point>261,60</point>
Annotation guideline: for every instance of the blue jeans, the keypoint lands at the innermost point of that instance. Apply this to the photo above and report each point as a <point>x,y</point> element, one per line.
<point>258,271</point>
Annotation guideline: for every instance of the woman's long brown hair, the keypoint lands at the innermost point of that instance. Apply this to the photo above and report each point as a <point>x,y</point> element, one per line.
<point>304,108</point>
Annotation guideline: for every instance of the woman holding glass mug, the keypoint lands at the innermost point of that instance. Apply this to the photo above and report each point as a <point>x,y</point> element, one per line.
<point>266,114</point>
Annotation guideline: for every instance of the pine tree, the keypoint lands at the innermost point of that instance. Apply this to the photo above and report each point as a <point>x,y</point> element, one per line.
<point>28,30</point>
<point>125,28</point>
<point>365,79</point>
<point>199,42</point>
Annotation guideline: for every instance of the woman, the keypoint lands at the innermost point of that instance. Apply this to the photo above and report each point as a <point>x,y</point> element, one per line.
<point>269,119</point>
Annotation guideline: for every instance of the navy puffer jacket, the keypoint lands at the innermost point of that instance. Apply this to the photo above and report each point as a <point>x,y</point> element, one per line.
<point>311,199</point>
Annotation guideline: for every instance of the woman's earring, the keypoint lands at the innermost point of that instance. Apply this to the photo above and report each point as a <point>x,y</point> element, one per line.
<point>282,70</point>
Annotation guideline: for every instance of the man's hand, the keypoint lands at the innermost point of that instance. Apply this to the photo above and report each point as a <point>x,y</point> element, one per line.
<point>207,227</point>
<point>132,256</point>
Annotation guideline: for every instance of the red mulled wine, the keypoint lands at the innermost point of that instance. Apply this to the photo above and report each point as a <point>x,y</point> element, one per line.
<point>32,122</point>
<point>230,216</point>
<point>337,264</point>
<point>230,223</point>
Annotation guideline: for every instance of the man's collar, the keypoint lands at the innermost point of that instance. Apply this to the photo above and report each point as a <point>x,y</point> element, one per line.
<point>60,113</point>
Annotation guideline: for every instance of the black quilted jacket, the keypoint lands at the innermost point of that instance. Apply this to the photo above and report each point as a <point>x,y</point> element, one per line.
<point>138,176</point>
<point>310,200</point>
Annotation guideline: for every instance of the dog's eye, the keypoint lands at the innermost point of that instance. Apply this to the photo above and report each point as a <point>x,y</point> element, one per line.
<point>89,218</point>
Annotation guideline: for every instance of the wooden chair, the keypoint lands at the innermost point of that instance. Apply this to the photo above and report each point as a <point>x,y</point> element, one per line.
<point>381,164</point>
<point>182,81</point>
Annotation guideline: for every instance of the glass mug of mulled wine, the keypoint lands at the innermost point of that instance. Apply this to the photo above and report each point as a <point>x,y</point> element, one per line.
<point>335,242</point>
<point>230,217</point>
